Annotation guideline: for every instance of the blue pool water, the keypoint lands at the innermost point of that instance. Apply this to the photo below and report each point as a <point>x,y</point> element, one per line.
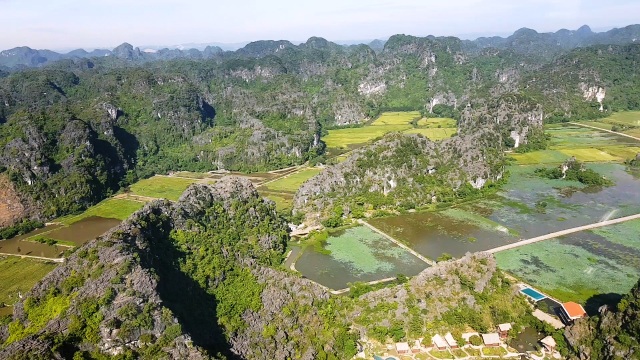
<point>533,294</point>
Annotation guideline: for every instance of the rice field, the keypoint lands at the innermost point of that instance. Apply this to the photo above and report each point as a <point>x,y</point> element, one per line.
<point>587,145</point>
<point>349,137</point>
<point>291,183</point>
<point>396,118</point>
<point>629,118</point>
<point>19,275</point>
<point>162,187</point>
<point>539,157</point>
<point>282,201</point>
<point>434,134</point>
<point>591,155</point>
<point>110,208</point>
<point>437,123</point>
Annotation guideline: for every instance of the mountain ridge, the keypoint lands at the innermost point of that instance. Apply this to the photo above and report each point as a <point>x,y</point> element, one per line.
<point>563,39</point>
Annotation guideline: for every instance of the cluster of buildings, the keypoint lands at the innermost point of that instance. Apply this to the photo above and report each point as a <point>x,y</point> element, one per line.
<point>448,342</point>
<point>568,312</point>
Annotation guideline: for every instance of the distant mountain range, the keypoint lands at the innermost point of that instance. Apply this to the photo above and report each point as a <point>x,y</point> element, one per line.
<point>523,41</point>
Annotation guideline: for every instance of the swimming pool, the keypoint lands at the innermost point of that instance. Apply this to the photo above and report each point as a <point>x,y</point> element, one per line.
<point>536,296</point>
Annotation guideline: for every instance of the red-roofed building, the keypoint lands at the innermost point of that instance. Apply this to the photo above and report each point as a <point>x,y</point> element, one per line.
<point>571,311</point>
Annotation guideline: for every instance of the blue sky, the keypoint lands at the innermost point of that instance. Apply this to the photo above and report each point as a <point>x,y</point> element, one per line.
<point>68,24</point>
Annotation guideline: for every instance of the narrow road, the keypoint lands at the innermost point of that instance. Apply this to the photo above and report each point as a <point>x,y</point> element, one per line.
<point>563,232</point>
<point>58,260</point>
<point>430,262</point>
<point>609,131</point>
<point>284,175</point>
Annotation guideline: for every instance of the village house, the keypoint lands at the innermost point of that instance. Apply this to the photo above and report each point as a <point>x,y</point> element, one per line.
<point>403,348</point>
<point>439,342</point>
<point>451,341</point>
<point>571,311</point>
<point>503,330</point>
<point>491,339</point>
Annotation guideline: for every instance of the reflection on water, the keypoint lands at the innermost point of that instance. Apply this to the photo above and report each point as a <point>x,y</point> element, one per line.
<point>529,205</point>
<point>78,233</point>
<point>84,230</point>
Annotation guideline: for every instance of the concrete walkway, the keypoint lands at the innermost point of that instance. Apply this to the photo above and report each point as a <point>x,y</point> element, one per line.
<point>543,316</point>
<point>562,233</point>
<point>430,262</point>
<point>609,131</point>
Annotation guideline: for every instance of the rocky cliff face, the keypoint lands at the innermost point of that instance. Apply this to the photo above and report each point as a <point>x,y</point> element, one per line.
<point>137,290</point>
<point>613,334</point>
<point>12,206</point>
<point>404,170</point>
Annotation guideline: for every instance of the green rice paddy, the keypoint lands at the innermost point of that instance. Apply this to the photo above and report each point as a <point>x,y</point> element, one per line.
<point>396,118</point>
<point>434,134</point>
<point>586,144</point>
<point>629,118</point>
<point>349,137</point>
<point>437,123</point>
<point>162,187</point>
<point>111,208</point>
<point>291,183</point>
<point>19,275</point>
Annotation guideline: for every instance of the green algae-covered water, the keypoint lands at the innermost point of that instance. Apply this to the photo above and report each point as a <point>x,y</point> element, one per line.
<point>357,254</point>
<point>526,207</point>
<point>590,267</point>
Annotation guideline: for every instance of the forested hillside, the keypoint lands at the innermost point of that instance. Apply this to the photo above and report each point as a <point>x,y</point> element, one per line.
<point>78,129</point>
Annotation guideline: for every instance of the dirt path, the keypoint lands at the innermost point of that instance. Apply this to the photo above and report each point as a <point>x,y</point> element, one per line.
<point>58,260</point>
<point>609,131</point>
<point>563,232</point>
<point>134,197</point>
<point>413,252</point>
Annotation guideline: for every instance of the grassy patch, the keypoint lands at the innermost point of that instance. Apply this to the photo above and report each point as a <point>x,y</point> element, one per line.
<point>444,354</point>
<point>292,182</point>
<point>590,155</point>
<point>494,351</point>
<point>161,187</point>
<point>434,134</point>
<point>19,275</point>
<point>111,208</point>
<point>396,118</point>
